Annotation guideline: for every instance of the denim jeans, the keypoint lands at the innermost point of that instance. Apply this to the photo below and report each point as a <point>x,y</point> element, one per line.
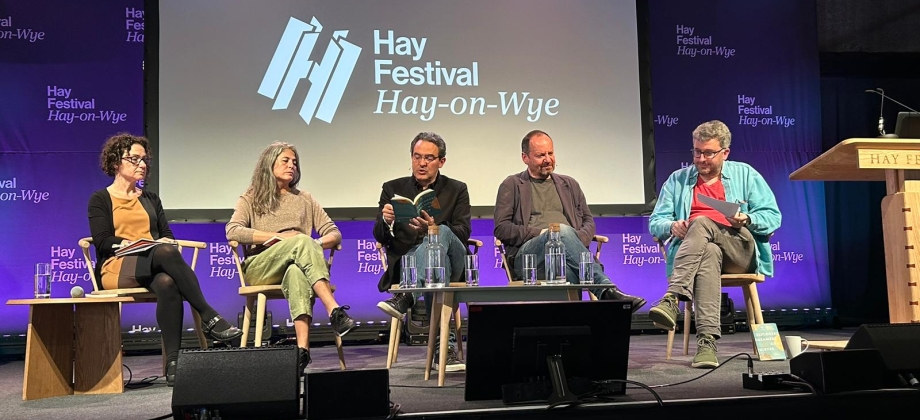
<point>573,250</point>
<point>708,250</point>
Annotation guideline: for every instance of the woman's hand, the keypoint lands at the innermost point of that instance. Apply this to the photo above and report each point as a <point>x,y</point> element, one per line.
<point>288,234</point>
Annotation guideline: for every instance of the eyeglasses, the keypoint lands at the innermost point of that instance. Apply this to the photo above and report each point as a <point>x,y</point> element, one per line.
<point>136,160</point>
<point>426,158</point>
<point>708,154</point>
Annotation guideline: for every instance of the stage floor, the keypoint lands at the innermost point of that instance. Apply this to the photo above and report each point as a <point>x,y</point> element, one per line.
<point>417,397</point>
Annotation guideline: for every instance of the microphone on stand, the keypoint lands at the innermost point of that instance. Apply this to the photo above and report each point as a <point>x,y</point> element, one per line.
<point>881,116</point>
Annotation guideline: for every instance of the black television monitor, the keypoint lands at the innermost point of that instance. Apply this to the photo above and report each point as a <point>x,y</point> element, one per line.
<point>908,126</point>
<point>508,345</point>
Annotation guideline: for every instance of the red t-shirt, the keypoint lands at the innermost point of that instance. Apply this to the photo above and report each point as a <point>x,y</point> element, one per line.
<point>715,190</point>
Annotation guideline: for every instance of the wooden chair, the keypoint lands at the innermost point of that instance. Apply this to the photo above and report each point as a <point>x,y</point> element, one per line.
<point>141,294</point>
<point>598,239</point>
<point>396,323</point>
<point>257,297</point>
<point>748,285</point>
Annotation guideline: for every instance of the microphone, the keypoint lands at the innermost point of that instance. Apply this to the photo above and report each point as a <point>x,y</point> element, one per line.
<point>881,117</point>
<point>77,292</point>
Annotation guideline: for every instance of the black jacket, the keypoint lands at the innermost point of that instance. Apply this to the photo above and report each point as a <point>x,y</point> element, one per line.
<point>102,225</point>
<point>455,214</point>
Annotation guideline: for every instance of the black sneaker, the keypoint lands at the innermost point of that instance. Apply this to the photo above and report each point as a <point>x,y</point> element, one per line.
<point>304,358</point>
<point>397,305</point>
<point>342,323</point>
<point>614,293</point>
<point>453,362</point>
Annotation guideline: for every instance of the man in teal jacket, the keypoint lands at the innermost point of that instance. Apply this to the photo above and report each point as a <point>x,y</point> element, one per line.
<point>704,243</point>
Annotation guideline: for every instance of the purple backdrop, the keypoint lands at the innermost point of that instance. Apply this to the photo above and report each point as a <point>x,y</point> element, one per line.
<point>72,75</point>
<point>754,66</point>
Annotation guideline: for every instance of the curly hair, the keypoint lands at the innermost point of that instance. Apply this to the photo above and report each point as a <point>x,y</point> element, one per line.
<point>263,189</point>
<point>714,129</point>
<point>114,149</point>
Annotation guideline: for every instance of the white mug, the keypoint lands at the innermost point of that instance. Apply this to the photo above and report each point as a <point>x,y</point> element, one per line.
<point>794,345</point>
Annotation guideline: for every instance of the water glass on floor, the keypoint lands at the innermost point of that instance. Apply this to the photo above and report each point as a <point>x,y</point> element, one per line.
<point>472,270</point>
<point>530,269</point>
<point>586,268</point>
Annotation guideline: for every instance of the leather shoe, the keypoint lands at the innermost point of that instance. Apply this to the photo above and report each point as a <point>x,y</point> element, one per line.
<point>614,293</point>
<point>224,336</point>
<point>171,373</point>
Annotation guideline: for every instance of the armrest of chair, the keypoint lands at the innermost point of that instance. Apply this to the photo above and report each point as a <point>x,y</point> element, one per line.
<point>663,246</point>
<point>601,240</point>
<point>85,243</point>
<point>475,243</point>
<point>235,253</point>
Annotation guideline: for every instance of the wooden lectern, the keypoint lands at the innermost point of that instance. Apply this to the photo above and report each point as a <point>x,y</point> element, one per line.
<point>894,161</point>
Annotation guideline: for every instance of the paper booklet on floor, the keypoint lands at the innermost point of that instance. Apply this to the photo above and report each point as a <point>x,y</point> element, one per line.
<point>724,207</point>
<point>407,209</point>
<point>139,245</point>
<point>768,342</point>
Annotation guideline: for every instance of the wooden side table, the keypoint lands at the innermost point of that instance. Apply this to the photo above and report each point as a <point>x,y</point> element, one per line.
<point>73,346</point>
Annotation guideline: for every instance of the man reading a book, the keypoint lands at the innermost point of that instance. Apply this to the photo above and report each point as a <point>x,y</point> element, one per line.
<point>529,201</point>
<point>702,242</point>
<point>452,207</point>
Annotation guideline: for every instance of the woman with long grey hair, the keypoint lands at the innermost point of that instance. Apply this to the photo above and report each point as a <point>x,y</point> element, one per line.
<point>273,207</point>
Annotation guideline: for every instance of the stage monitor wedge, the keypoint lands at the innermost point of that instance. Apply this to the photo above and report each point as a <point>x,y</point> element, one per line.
<point>508,343</point>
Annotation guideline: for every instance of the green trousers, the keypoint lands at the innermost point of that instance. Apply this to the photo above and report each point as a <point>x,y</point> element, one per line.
<point>296,263</point>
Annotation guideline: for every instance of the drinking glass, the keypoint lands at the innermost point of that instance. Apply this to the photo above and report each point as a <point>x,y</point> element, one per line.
<point>530,269</point>
<point>472,270</point>
<point>408,277</point>
<point>586,268</point>
<point>42,281</point>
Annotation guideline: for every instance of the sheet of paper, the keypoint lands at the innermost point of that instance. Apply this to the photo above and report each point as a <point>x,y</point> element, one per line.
<point>724,207</point>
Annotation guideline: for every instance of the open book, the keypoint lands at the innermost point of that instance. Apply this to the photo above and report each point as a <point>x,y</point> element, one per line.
<point>406,208</point>
<point>139,245</point>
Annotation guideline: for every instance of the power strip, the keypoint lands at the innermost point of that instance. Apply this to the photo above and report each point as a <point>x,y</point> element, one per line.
<point>766,381</point>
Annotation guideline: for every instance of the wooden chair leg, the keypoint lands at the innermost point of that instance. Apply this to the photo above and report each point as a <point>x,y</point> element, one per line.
<point>755,301</point>
<point>196,318</point>
<point>393,344</point>
<point>338,347</point>
<point>688,315</point>
<point>670,343</point>
<point>260,318</point>
<point>247,319</point>
<point>752,315</point>
<point>399,325</point>
<point>457,324</point>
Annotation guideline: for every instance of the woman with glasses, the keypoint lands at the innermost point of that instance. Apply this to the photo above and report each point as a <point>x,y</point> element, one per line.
<point>122,213</point>
<point>275,220</point>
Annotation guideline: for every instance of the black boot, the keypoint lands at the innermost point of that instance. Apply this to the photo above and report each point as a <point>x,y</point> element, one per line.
<point>614,293</point>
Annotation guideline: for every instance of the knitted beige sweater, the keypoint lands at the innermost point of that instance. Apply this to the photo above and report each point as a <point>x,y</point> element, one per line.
<point>296,211</point>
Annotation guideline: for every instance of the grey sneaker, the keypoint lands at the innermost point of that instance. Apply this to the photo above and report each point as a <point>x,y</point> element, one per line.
<point>453,362</point>
<point>664,312</point>
<point>705,352</point>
